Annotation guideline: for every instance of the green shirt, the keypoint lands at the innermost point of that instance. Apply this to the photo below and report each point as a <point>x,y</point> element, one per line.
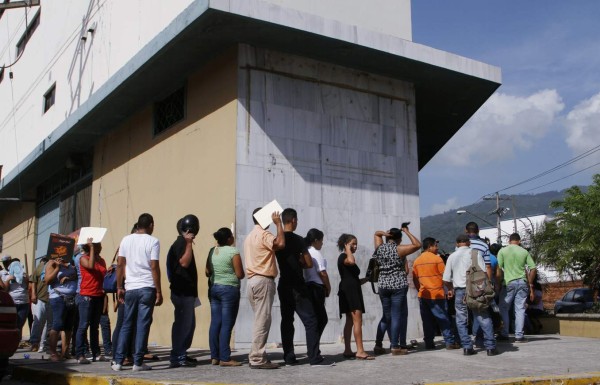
<point>222,266</point>
<point>513,259</point>
<point>42,288</point>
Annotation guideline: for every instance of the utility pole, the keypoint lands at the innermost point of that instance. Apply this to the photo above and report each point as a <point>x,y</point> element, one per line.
<point>499,211</point>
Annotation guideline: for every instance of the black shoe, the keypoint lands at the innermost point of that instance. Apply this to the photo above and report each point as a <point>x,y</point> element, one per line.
<point>492,352</point>
<point>182,364</point>
<point>324,362</point>
<point>430,347</point>
<point>500,337</point>
<point>191,359</point>
<point>521,340</point>
<point>469,352</point>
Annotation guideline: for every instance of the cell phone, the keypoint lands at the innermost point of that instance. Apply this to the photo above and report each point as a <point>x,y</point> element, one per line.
<point>405,224</point>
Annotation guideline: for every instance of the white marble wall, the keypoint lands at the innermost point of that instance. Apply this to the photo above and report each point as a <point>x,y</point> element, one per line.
<point>337,145</point>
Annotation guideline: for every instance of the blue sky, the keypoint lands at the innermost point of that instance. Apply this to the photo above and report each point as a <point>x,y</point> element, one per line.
<point>546,112</point>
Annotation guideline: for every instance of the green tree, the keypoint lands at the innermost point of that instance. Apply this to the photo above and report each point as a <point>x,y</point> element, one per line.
<point>571,241</point>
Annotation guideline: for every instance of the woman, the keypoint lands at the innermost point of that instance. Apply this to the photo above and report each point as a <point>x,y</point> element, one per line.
<point>393,287</point>
<point>224,269</point>
<point>61,278</point>
<point>317,278</point>
<point>91,303</point>
<point>350,296</point>
<point>15,282</point>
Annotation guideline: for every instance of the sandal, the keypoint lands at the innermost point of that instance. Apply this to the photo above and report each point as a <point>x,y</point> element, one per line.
<point>55,358</point>
<point>366,358</point>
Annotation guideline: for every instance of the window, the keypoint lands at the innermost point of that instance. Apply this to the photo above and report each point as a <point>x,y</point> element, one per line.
<point>169,111</point>
<point>49,97</point>
<point>29,30</point>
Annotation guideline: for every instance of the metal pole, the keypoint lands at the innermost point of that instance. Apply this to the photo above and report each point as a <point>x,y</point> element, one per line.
<point>499,239</point>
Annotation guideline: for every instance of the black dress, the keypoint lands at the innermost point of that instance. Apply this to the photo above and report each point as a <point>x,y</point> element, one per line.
<point>350,293</point>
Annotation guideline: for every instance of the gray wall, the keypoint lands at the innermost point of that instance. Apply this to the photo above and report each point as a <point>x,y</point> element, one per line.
<point>337,145</point>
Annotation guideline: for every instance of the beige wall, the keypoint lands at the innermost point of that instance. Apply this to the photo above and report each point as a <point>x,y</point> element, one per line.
<point>17,226</point>
<point>190,168</point>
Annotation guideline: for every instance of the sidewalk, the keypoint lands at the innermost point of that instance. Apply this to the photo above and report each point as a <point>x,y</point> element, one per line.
<point>545,359</point>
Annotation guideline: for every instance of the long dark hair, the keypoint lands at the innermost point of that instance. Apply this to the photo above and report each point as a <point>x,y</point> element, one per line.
<point>312,236</point>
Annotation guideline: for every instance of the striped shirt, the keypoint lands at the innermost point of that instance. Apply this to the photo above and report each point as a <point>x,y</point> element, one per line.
<point>482,247</point>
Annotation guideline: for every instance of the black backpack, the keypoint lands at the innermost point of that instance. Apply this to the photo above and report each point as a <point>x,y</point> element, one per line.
<point>372,274</point>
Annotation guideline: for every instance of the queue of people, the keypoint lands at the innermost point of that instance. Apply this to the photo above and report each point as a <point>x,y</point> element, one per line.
<point>69,299</point>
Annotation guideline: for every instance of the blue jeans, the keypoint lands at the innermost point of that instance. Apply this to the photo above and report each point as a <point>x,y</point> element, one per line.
<point>90,310</point>
<point>117,333</point>
<point>184,324</point>
<point>516,291</point>
<point>462,321</point>
<point>106,340</point>
<point>22,313</point>
<point>63,316</point>
<point>224,305</point>
<point>435,311</point>
<point>139,305</point>
<point>395,317</point>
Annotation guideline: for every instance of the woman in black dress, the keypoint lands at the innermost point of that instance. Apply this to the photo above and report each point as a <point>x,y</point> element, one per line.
<point>350,296</point>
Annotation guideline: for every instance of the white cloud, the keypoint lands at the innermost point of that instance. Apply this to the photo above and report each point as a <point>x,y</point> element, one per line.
<point>504,124</point>
<point>583,127</point>
<point>439,208</point>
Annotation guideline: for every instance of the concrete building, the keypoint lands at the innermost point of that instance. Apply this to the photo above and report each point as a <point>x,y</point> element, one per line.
<point>215,107</point>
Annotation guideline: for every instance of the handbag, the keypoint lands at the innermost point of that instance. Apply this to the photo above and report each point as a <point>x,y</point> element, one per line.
<point>109,285</point>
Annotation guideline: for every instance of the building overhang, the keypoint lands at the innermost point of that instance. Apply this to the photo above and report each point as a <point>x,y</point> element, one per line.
<point>449,88</point>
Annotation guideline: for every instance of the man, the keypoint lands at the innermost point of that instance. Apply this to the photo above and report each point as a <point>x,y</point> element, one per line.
<point>138,287</point>
<point>455,280</point>
<point>261,270</point>
<point>16,282</point>
<point>472,230</point>
<point>42,312</point>
<point>184,290</point>
<point>294,294</point>
<point>518,285</point>
<point>428,270</point>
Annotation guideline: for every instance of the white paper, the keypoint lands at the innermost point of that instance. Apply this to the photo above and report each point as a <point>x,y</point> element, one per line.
<point>263,216</point>
<point>96,233</point>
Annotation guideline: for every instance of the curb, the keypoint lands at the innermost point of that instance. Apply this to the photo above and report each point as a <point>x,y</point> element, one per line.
<point>569,379</point>
<point>53,377</point>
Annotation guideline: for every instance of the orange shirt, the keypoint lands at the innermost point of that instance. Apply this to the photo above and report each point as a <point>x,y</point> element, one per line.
<point>428,268</point>
<point>259,256</point>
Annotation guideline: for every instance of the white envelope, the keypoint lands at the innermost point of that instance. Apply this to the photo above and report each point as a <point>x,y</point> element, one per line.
<point>96,233</point>
<point>263,216</point>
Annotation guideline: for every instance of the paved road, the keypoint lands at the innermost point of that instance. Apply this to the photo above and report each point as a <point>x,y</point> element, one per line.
<point>544,355</point>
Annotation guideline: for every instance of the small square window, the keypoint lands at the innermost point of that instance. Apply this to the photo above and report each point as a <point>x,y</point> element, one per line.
<point>169,111</point>
<point>49,97</point>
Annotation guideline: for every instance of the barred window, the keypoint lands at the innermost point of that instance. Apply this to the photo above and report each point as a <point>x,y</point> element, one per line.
<point>169,111</point>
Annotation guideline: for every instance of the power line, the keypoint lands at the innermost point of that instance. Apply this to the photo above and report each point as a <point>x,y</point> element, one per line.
<point>556,168</point>
<point>565,177</point>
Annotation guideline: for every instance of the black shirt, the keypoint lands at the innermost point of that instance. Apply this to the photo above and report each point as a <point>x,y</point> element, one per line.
<point>290,268</point>
<point>184,280</point>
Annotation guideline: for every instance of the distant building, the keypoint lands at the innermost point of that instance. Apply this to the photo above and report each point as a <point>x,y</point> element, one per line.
<point>215,107</point>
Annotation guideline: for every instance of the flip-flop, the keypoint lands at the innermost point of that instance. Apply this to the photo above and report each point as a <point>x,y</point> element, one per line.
<point>366,358</point>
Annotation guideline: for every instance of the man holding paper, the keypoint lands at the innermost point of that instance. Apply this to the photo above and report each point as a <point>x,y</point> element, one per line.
<point>261,269</point>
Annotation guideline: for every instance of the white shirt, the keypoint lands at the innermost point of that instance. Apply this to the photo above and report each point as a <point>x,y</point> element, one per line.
<point>18,291</point>
<point>457,265</point>
<point>319,264</point>
<point>139,250</point>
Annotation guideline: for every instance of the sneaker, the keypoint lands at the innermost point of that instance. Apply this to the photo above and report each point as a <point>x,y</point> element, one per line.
<point>521,340</point>
<point>453,346</point>
<point>191,359</point>
<point>214,361</point>
<point>141,368</point>
<point>83,361</point>
<point>379,350</point>
<point>100,359</point>
<point>34,348</point>
<point>230,363</point>
<point>116,367</point>
<point>399,351</point>
<point>292,362</point>
<point>181,364</point>
<point>323,363</point>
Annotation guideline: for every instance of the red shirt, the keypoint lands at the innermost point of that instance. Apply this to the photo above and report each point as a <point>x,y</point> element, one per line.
<point>92,279</point>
